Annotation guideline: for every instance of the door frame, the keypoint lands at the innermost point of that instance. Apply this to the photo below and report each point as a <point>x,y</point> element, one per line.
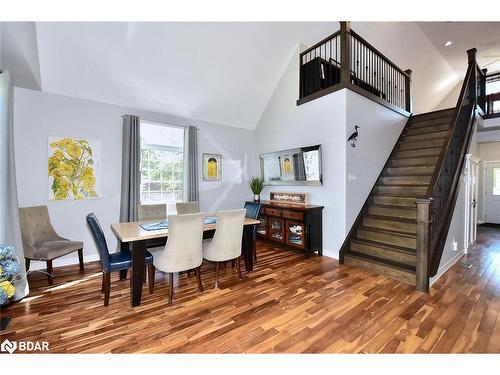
<point>471,169</point>
<point>483,205</point>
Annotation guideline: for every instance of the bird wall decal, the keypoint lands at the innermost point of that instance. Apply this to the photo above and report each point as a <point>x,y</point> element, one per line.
<point>354,136</point>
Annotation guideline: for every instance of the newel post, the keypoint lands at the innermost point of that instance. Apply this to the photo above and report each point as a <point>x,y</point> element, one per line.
<point>424,222</point>
<point>407,91</point>
<point>345,52</point>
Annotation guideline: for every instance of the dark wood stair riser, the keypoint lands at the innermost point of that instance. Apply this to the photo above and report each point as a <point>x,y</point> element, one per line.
<point>410,171</point>
<point>381,269</point>
<point>427,129</point>
<point>410,162</point>
<point>394,225</point>
<point>434,151</point>
<point>434,114</point>
<point>391,211</point>
<point>383,253</point>
<point>389,238</point>
<point>394,201</point>
<point>422,144</point>
<point>425,137</point>
<point>405,180</point>
<point>417,191</point>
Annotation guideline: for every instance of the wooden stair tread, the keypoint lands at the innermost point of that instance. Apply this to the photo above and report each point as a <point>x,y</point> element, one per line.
<point>408,235</point>
<point>393,223</point>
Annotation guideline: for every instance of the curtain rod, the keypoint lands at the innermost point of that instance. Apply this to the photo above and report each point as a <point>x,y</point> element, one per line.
<point>163,123</point>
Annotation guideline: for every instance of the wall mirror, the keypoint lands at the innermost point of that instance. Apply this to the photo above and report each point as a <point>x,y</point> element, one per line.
<point>296,166</point>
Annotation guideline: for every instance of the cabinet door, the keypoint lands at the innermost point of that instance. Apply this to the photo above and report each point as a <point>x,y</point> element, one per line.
<point>295,234</point>
<point>262,227</point>
<point>276,230</point>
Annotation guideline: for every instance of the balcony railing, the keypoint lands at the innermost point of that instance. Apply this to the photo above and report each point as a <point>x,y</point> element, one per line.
<point>492,95</point>
<point>346,60</point>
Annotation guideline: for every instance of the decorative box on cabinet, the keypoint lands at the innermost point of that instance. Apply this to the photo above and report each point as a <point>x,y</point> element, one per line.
<point>295,225</point>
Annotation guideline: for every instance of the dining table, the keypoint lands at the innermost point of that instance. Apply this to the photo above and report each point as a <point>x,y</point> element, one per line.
<point>133,236</point>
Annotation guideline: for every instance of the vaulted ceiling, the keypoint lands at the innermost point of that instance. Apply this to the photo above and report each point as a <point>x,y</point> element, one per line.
<point>219,72</point>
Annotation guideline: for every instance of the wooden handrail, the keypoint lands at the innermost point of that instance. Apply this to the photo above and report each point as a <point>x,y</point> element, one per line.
<point>376,51</point>
<point>321,42</point>
<point>435,210</point>
<point>444,151</point>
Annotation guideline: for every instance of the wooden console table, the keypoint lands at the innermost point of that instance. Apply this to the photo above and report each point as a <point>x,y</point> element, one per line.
<point>294,225</point>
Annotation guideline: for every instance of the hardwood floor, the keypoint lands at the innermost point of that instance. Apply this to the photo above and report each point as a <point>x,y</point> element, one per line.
<point>287,305</point>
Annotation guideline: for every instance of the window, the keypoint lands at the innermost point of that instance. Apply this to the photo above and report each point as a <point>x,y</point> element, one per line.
<point>496,181</point>
<point>162,164</point>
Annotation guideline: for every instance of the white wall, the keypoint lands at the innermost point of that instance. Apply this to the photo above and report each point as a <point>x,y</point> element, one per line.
<point>408,47</point>
<point>379,130</point>
<point>20,54</point>
<point>328,121</point>
<point>38,115</point>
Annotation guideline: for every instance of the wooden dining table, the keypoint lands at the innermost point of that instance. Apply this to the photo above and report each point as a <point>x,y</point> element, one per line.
<point>138,240</point>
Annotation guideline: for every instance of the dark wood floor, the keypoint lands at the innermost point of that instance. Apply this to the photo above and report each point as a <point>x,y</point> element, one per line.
<point>288,304</point>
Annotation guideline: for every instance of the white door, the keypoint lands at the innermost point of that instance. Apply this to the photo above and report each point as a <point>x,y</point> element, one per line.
<point>492,193</point>
<point>471,182</point>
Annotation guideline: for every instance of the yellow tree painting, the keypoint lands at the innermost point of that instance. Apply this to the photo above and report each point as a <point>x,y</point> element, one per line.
<point>74,169</point>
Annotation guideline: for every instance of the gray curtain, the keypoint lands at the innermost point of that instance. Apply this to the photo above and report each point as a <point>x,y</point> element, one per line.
<point>191,188</point>
<point>10,230</point>
<point>131,169</point>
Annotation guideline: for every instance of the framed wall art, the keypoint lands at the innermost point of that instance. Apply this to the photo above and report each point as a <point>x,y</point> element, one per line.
<point>212,167</point>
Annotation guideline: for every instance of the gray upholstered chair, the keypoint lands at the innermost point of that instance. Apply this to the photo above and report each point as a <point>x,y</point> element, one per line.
<point>226,244</point>
<point>40,240</point>
<point>187,208</point>
<point>182,251</point>
<point>152,212</point>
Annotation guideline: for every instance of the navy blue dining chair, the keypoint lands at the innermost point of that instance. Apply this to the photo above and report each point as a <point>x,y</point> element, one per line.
<point>253,210</point>
<point>120,261</point>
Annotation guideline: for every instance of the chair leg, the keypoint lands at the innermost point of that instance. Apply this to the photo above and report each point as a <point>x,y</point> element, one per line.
<point>106,284</point>
<point>151,278</point>
<point>123,274</point>
<point>170,288</point>
<point>50,272</point>
<point>216,275</point>
<point>144,274</point>
<point>238,267</point>
<point>80,260</point>
<point>233,263</point>
<point>27,264</point>
<point>188,273</point>
<point>197,272</point>
<point>255,253</point>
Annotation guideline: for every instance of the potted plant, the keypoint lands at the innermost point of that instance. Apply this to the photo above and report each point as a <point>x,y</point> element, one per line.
<point>257,185</point>
<point>9,267</point>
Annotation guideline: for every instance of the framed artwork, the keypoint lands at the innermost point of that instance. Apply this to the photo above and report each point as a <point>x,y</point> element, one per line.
<point>74,168</point>
<point>286,164</point>
<point>212,167</point>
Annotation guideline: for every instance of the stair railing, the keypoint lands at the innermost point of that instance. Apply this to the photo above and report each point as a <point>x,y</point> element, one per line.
<point>434,212</point>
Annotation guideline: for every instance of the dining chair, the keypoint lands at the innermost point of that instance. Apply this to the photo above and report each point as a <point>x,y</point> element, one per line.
<point>114,262</point>
<point>41,242</point>
<point>187,208</point>
<point>183,250</point>
<point>226,243</point>
<point>253,210</point>
<point>152,212</point>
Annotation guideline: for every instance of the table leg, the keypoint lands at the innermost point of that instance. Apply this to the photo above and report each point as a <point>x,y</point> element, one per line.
<point>248,245</point>
<point>138,250</point>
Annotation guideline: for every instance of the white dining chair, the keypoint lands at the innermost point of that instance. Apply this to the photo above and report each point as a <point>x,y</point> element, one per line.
<point>183,250</point>
<point>152,212</point>
<point>187,208</point>
<point>226,243</point>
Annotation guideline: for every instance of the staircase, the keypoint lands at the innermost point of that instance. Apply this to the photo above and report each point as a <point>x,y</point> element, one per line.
<point>384,236</point>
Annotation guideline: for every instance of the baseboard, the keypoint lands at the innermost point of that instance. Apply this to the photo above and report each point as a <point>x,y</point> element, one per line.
<point>446,267</point>
<point>331,254</point>
<point>64,261</point>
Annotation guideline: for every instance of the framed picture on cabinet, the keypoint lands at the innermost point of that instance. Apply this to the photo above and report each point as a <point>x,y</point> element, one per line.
<point>212,167</point>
